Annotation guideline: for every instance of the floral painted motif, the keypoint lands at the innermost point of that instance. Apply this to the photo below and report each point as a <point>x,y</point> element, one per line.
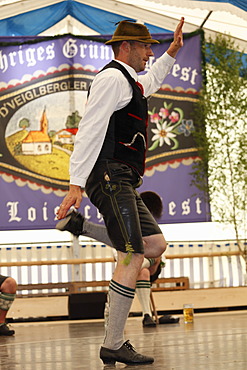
<point>163,133</point>
<point>169,124</point>
<point>186,127</point>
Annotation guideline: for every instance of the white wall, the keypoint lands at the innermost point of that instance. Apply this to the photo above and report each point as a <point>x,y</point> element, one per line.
<point>201,231</point>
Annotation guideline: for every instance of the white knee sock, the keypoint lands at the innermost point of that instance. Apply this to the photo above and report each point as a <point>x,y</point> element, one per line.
<point>120,299</point>
<point>143,289</point>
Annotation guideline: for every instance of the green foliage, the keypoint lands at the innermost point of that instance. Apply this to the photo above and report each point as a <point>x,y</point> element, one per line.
<point>24,123</point>
<point>51,133</point>
<point>73,120</point>
<point>221,132</point>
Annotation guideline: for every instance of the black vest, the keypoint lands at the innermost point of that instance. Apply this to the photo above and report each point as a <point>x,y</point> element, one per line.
<point>126,136</point>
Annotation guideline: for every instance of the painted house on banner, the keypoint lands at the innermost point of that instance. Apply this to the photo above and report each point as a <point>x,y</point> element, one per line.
<point>66,135</point>
<point>38,142</point>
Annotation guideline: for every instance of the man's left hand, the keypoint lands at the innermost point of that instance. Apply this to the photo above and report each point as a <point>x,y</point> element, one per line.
<point>178,40</point>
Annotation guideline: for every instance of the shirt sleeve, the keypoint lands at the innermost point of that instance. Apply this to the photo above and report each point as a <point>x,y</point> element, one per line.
<point>153,79</point>
<point>106,96</point>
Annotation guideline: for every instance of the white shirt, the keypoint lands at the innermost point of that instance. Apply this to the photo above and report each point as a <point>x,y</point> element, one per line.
<point>110,91</point>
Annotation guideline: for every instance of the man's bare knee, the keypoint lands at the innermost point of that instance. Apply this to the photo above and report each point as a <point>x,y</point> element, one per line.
<point>155,253</point>
<point>9,286</point>
<point>163,247</point>
<point>154,245</point>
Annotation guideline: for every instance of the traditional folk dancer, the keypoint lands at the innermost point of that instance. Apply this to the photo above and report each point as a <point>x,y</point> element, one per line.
<point>108,161</point>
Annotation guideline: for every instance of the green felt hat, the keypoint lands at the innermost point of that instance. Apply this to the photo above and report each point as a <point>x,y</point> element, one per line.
<point>130,31</point>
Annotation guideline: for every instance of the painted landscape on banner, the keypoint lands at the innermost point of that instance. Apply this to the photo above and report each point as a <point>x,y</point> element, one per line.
<point>43,92</point>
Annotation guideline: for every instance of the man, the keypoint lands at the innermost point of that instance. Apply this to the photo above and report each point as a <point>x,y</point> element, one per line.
<point>7,295</point>
<point>108,162</point>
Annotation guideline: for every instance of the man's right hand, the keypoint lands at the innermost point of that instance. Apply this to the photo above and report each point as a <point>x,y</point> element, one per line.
<point>73,198</point>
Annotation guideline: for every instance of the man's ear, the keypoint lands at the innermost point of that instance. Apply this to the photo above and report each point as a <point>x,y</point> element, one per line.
<point>126,46</point>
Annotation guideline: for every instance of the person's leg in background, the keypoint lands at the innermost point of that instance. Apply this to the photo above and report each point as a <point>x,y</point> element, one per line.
<point>143,291</point>
<point>8,288</point>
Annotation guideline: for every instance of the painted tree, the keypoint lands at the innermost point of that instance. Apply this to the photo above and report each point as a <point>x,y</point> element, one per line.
<point>24,123</point>
<point>73,120</point>
<point>221,135</point>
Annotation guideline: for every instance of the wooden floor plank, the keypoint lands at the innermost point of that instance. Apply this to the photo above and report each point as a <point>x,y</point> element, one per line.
<point>216,341</point>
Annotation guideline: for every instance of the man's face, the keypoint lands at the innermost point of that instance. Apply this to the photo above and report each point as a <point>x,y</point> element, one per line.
<point>139,55</point>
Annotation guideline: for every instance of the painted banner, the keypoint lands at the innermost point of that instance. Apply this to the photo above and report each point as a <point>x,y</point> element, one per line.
<point>43,90</point>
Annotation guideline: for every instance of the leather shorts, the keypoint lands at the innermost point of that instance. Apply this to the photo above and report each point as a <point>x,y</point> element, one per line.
<point>111,187</point>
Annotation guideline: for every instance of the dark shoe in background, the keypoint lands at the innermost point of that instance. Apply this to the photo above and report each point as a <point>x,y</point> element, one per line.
<point>148,321</point>
<point>125,354</point>
<point>5,330</point>
<point>73,223</point>
<point>168,319</point>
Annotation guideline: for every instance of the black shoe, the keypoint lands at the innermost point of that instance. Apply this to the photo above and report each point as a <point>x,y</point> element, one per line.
<point>5,330</point>
<point>168,319</point>
<point>73,223</point>
<point>148,321</point>
<point>125,354</point>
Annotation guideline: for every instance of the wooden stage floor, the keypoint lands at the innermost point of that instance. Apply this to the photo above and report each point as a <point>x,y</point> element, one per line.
<point>214,341</point>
